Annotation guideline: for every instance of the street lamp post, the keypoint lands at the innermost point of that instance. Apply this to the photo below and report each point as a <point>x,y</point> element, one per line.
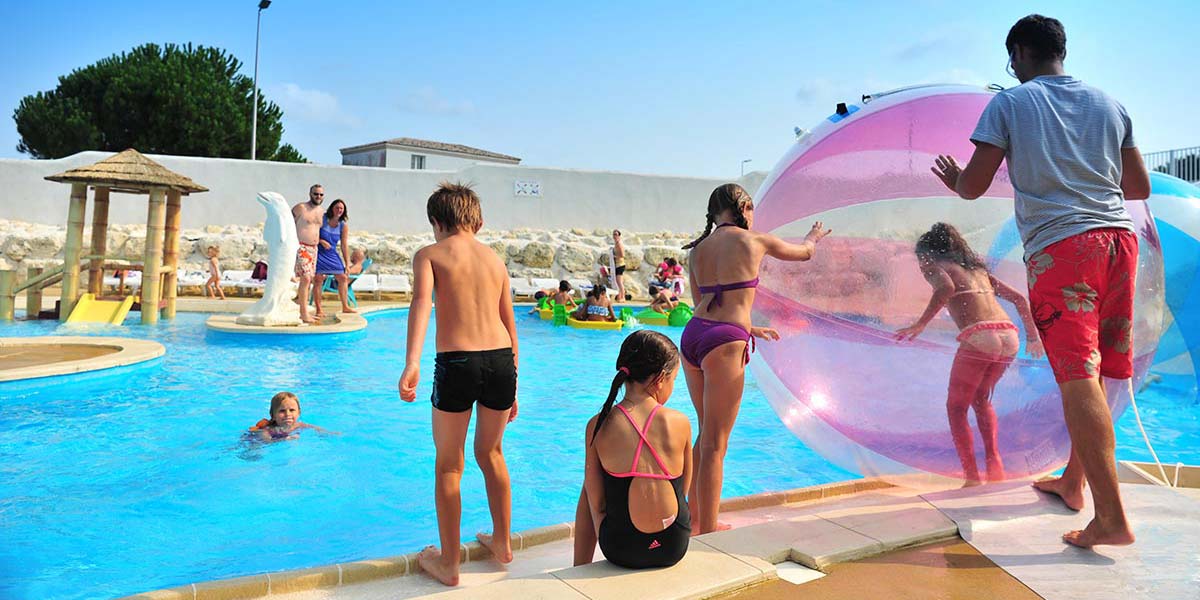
<point>744,166</point>
<point>262,5</point>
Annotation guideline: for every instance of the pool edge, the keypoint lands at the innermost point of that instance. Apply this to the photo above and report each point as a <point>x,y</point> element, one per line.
<point>361,571</point>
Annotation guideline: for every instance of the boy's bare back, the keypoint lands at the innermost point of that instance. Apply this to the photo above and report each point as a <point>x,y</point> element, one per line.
<point>471,292</point>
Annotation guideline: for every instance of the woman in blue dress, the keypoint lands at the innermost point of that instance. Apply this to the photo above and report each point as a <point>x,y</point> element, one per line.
<point>335,235</point>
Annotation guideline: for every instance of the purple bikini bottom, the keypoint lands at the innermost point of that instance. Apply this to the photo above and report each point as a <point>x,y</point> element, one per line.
<point>701,336</point>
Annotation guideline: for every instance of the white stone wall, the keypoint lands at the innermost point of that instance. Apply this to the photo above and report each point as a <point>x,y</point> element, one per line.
<point>384,200</point>
<point>562,254</point>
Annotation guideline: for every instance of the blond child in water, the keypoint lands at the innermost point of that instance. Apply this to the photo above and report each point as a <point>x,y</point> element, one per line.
<point>476,364</point>
<point>213,285</point>
<point>285,420</point>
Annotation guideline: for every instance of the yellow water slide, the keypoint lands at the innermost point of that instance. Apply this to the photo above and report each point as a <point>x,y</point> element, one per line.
<point>91,310</point>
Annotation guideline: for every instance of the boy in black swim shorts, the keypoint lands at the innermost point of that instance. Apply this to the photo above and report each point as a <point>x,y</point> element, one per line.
<point>476,364</point>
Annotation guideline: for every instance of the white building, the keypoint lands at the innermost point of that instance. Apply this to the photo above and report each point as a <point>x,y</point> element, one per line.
<point>414,154</point>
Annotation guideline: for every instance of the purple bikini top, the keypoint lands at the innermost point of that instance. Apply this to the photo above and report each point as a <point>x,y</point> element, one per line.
<point>716,290</point>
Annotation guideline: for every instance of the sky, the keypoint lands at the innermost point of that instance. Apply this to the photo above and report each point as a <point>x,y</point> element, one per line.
<point>678,88</point>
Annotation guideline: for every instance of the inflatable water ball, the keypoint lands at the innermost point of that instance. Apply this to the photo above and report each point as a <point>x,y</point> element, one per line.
<point>839,379</point>
<point>1176,207</point>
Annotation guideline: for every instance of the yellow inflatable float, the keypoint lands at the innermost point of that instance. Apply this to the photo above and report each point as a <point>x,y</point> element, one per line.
<point>597,325</point>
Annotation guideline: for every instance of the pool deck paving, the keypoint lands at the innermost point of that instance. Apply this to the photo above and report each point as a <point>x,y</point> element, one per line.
<point>905,542</point>
<point>815,533</point>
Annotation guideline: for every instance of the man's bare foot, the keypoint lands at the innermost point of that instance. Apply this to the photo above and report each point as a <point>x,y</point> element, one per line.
<point>347,309</point>
<point>971,483</point>
<point>500,551</point>
<point>1096,534</point>
<point>1071,496</point>
<point>308,319</point>
<point>430,560</point>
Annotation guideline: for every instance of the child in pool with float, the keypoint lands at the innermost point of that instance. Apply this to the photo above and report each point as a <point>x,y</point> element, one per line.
<point>285,420</point>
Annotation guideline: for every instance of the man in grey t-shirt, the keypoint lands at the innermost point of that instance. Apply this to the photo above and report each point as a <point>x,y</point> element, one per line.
<point>1072,162</point>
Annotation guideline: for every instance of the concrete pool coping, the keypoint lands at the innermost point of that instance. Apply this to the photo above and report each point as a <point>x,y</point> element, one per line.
<point>363,571</point>
<point>342,323</point>
<point>129,351</point>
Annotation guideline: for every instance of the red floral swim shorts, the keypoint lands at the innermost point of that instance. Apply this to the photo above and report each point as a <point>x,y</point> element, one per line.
<point>306,261</point>
<point>1081,293</point>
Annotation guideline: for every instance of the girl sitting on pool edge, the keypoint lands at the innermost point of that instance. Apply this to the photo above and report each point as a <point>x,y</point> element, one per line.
<point>633,501</point>
<point>285,420</point>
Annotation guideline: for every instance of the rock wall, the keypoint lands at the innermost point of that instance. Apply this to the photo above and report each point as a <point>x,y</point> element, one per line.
<point>574,253</point>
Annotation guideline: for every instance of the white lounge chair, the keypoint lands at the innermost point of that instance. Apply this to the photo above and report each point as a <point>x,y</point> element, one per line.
<point>133,281</point>
<point>398,284</point>
<point>231,279</point>
<point>523,287</point>
<point>191,278</point>
<point>544,283</point>
<point>367,283</point>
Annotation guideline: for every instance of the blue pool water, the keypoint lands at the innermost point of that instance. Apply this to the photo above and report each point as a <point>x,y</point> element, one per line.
<point>135,479</point>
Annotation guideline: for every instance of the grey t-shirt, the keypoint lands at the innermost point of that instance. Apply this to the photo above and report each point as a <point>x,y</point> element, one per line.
<point>1063,140</point>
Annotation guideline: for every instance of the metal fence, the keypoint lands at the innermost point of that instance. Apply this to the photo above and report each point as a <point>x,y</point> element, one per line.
<point>1183,163</point>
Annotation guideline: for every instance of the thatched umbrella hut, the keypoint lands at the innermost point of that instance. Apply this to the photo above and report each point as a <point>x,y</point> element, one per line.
<point>132,173</point>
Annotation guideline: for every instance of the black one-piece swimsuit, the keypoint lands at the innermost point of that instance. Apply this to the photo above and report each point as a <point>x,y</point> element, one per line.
<point>622,543</point>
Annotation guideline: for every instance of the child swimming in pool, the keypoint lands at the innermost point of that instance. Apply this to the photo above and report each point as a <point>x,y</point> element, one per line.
<point>285,420</point>
<point>633,501</point>
<point>476,364</point>
<point>987,337</point>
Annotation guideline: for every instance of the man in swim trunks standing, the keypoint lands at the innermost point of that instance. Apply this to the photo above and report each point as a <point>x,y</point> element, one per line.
<point>308,217</point>
<point>1072,161</point>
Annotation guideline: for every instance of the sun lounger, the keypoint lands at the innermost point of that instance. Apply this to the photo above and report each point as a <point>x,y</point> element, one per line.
<point>395,284</point>
<point>368,283</point>
<point>231,279</point>
<point>133,281</point>
<point>191,278</point>
<point>544,284</point>
<point>522,287</point>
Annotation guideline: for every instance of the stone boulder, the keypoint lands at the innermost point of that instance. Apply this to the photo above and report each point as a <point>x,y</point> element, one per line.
<point>654,255</point>
<point>633,258</point>
<point>537,255</point>
<point>576,258</point>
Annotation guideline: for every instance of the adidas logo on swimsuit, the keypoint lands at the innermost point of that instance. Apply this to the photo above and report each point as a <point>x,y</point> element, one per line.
<point>654,544</point>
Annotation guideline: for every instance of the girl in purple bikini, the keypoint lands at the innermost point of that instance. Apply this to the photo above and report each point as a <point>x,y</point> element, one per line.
<point>716,343</point>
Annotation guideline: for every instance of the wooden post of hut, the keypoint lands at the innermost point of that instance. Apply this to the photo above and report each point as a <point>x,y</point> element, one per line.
<point>171,252</point>
<point>153,258</point>
<point>99,240</point>
<point>73,250</point>
<point>33,294</point>
<point>126,172</point>
<point>8,282</point>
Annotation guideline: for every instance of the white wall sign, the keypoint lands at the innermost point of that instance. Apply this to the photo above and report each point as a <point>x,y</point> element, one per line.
<point>527,188</point>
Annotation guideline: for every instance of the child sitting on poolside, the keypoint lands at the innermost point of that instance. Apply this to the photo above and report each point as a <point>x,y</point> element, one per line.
<point>596,306</point>
<point>213,285</point>
<point>476,363</point>
<point>660,301</point>
<point>631,502</point>
<point>285,420</point>
<point>357,258</point>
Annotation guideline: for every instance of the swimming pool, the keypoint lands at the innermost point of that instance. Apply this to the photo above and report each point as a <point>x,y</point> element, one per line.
<point>135,479</point>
